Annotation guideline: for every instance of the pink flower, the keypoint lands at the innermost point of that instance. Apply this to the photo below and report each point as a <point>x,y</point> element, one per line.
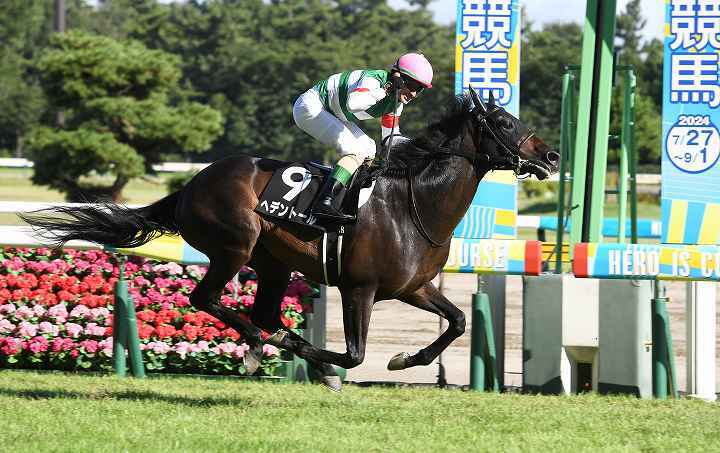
<point>106,346</point>
<point>24,312</point>
<point>46,327</point>
<point>183,349</point>
<point>201,346</point>
<point>141,281</point>
<point>247,300</point>
<point>27,330</point>
<point>39,310</point>
<point>90,346</point>
<point>73,329</point>
<point>38,344</point>
<point>10,345</point>
<point>80,311</point>
<point>99,314</point>
<point>58,312</point>
<point>57,344</point>
<point>196,271</point>
<point>227,348</point>
<point>240,351</point>
<point>159,347</point>
<point>92,329</point>
<point>291,303</point>
<point>7,309</point>
<point>270,350</point>
<point>6,327</point>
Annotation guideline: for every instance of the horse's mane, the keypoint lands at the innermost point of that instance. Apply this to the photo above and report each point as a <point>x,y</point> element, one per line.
<point>414,155</point>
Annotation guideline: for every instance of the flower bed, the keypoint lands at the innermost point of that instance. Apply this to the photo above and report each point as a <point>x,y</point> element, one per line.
<point>56,310</point>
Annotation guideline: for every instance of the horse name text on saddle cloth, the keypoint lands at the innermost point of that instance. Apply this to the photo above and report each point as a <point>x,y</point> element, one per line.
<point>290,193</point>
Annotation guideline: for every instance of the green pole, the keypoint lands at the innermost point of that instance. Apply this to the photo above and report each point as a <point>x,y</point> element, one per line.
<point>136,360</point>
<point>126,323</point>
<point>628,137</point>
<point>664,381</point>
<point>593,121</point>
<point>623,170</point>
<point>483,358</point>
<point>119,329</point>
<point>600,129</point>
<point>564,155</point>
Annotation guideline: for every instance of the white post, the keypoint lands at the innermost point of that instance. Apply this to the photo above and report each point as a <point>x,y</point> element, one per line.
<point>700,338</point>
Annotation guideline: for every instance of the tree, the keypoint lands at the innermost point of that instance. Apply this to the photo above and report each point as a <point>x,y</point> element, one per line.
<point>23,26</point>
<point>125,111</point>
<point>544,56</point>
<point>252,59</point>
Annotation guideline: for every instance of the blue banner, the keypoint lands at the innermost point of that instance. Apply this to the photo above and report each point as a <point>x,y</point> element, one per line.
<point>691,141</point>
<point>487,57</point>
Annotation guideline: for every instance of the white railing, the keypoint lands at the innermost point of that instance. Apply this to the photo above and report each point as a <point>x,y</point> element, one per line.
<point>165,167</point>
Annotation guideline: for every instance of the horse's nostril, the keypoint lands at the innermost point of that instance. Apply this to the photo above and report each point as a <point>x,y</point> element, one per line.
<point>552,157</point>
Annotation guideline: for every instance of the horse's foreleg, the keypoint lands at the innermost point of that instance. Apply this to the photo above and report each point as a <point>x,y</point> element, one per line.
<point>357,306</point>
<point>273,276</point>
<point>430,299</point>
<point>206,297</point>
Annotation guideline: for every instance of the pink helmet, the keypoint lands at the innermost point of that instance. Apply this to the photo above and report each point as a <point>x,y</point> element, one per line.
<point>415,66</point>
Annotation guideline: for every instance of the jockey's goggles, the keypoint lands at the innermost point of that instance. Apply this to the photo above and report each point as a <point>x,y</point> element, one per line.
<point>412,84</point>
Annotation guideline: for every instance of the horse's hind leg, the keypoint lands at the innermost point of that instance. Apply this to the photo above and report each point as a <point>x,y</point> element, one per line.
<point>273,276</point>
<point>206,297</point>
<point>430,299</point>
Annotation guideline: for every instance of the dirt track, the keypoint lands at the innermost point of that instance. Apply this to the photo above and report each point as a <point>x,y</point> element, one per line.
<point>397,327</point>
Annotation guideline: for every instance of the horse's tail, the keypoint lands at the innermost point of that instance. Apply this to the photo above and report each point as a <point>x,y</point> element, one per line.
<point>105,223</point>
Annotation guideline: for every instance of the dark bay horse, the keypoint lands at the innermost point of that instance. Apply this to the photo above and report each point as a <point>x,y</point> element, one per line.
<point>399,244</point>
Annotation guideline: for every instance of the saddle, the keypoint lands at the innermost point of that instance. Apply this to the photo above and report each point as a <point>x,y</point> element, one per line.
<point>294,188</point>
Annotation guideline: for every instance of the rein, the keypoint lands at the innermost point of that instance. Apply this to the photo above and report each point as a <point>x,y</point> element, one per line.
<point>511,154</point>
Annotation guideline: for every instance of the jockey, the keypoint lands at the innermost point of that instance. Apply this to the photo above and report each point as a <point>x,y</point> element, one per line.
<point>330,110</point>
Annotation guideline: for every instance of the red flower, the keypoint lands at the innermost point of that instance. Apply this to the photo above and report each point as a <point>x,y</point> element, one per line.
<point>231,333</point>
<point>65,296</point>
<point>289,323</point>
<point>190,332</point>
<point>145,331</point>
<point>146,315</point>
<point>209,333</point>
<point>165,331</point>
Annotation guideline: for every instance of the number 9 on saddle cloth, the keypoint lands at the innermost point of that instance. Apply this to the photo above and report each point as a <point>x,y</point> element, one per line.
<point>294,187</point>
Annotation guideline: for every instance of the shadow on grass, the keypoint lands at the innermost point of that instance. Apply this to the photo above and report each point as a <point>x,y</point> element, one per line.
<point>144,396</point>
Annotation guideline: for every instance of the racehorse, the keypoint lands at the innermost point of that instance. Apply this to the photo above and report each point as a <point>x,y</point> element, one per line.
<point>399,243</point>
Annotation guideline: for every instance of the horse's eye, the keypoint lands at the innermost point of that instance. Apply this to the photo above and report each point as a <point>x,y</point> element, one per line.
<point>506,124</point>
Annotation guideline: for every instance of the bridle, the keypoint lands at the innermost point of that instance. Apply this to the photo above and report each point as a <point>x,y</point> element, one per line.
<point>512,157</point>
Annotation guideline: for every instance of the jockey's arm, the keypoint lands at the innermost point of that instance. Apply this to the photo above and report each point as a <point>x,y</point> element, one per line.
<point>364,97</point>
<point>367,94</point>
<point>390,123</point>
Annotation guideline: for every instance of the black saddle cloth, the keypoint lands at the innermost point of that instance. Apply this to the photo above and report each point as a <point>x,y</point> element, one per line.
<point>294,188</point>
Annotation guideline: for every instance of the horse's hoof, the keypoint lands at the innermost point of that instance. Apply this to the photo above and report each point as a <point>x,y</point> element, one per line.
<point>278,339</point>
<point>334,383</point>
<point>252,360</point>
<point>398,362</point>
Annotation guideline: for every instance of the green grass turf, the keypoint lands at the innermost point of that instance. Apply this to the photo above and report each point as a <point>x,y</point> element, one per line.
<point>57,412</point>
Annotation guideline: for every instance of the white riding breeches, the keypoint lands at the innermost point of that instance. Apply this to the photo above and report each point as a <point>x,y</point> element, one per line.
<point>312,117</point>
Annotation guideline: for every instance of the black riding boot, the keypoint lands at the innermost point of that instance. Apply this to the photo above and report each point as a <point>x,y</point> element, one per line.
<point>328,205</point>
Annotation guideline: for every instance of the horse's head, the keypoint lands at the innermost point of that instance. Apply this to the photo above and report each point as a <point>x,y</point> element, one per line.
<point>503,142</point>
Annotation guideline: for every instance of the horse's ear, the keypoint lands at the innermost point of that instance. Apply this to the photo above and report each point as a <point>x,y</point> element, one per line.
<point>477,100</point>
<point>491,100</point>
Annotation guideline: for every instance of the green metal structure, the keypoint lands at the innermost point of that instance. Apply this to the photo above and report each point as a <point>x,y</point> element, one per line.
<point>125,332</point>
